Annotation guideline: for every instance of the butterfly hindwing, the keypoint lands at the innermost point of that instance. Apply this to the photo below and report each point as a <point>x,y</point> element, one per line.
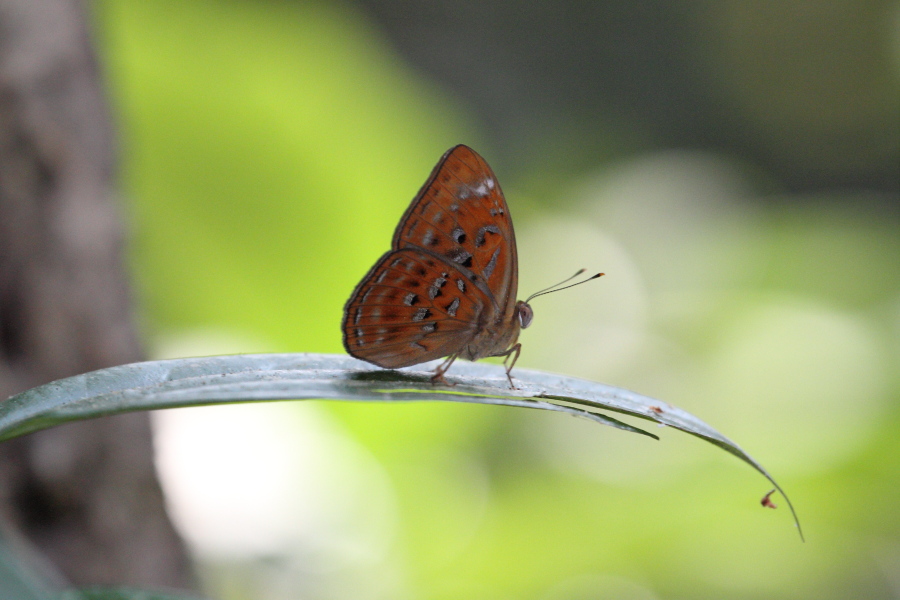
<point>410,308</point>
<point>460,215</point>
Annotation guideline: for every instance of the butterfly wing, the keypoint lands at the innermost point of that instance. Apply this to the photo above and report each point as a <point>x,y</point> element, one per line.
<point>410,308</point>
<point>461,216</point>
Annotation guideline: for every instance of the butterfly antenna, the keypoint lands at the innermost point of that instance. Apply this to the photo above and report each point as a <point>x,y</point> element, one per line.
<point>556,288</point>
<point>577,273</point>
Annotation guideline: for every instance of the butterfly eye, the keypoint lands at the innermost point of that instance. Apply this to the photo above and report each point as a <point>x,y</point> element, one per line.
<point>525,314</point>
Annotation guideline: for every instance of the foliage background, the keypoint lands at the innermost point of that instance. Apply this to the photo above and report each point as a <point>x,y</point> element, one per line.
<point>733,167</point>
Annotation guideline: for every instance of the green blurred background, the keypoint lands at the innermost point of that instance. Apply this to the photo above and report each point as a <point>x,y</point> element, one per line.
<point>734,168</point>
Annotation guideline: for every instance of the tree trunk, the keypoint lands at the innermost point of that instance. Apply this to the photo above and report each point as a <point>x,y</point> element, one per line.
<point>86,494</point>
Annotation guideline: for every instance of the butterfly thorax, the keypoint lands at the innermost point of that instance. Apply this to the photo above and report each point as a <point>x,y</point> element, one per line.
<point>497,337</point>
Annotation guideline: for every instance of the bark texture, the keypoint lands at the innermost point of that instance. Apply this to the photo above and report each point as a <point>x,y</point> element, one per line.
<point>86,494</point>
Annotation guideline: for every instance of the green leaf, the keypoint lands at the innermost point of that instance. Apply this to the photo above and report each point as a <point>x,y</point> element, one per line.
<point>266,377</point>
<point>24,574</point>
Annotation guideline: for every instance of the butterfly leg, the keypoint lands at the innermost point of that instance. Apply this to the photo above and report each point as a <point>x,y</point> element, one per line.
<point>514,350</point>
<point>438,376</point>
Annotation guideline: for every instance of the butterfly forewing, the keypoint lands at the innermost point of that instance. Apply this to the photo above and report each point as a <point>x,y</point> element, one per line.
<point>410,308</point>
<point>460,215</point>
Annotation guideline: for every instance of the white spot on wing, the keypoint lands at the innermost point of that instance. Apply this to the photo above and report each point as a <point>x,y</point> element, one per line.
<point>484,188</point>
<point>489,269</point>
<point>481,190</point>
<point>451,310</point>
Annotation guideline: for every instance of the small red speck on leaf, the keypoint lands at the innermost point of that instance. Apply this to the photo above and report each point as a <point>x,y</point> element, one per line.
<point>767,500</point>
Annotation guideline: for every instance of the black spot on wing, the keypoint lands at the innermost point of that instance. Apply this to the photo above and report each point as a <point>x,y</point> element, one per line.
<point>421,314</point>
<point>461,257</point>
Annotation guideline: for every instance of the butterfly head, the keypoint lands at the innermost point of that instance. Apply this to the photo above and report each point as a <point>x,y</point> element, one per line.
<point>524,313</point>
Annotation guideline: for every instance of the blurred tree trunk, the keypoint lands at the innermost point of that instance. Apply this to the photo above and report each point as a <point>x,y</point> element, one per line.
<point>86,494</point>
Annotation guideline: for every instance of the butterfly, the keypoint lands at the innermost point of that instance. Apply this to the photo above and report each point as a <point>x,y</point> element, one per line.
<point>447,287</point>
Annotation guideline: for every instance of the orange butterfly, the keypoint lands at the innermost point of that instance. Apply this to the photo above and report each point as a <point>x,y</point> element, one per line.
<point>448,285</point>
